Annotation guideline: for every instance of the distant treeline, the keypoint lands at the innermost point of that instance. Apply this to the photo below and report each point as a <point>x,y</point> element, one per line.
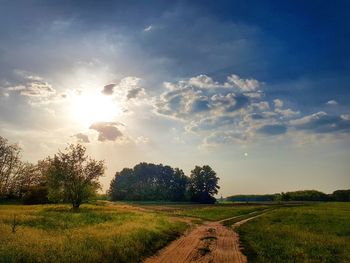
<point>157,182</point>
<point>304,195</point>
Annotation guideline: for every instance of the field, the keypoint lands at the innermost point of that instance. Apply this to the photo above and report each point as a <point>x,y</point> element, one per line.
<point>54,233</point>
<point>131,232</point>
<point>311,233</point>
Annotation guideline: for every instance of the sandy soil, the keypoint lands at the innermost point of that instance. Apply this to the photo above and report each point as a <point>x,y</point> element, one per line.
<point>210,242</point>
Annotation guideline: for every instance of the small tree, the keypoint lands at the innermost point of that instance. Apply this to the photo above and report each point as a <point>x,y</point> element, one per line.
<point>203,184</point>
<point>73,176</point>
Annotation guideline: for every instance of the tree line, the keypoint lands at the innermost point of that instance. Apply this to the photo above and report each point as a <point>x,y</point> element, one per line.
<point>303,195</point>
<point>72,176</point>
<point>156,182</point>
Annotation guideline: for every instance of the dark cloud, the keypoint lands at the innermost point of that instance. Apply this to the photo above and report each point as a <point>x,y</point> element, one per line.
<point>82,138</point>
<point>108,89</point>
<point>107,131</point>
<point>272,129</point>
<point>321,122</point>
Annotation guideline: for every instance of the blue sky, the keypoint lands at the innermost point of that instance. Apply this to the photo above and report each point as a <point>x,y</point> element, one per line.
<point>259,90</point>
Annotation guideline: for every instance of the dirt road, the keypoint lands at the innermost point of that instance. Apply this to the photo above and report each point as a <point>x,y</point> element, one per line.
<point>210,242</point>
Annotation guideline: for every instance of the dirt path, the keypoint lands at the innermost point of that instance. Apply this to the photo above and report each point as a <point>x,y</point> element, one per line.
<point>210,242</point>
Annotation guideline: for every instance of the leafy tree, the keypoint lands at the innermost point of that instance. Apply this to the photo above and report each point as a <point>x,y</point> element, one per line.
<point>203,184</point>
<point>73,176</point>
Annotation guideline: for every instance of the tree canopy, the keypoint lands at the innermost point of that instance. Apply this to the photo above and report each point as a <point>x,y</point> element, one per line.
<point>203,184</point>
<point>73,176</point>
<point>147,181</point>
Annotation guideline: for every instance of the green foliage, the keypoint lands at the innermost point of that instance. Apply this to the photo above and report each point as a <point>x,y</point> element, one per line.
<point>305,195</point>
<point>73,176</point>
<point>341,195</point>
<point>254,198</point>
<point>317,233</point>
<point>203,184</point>
<point>147,181</point>
<point>36,195</point>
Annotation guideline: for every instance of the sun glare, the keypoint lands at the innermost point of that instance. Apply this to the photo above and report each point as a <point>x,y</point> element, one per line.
<point>90,108</point>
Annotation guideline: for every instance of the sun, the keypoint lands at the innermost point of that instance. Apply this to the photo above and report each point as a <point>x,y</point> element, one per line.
<point>88,108</point>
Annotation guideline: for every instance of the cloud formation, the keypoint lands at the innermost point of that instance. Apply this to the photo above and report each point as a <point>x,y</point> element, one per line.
<point>108,89</point>
<point>321,122</point>
<point>332,102</point>
<point>107,131</point>
<point>82,138</point>
<point>237,110</point>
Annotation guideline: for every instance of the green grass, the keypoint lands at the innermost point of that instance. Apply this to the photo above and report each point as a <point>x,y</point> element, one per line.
<point>312,233</point>
<point>55,233</point>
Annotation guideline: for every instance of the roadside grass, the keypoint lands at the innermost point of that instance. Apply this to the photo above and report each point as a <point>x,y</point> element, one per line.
<point>95,233</point>
<point>313,233</point>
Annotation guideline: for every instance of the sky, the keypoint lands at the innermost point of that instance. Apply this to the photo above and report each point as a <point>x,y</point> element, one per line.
<point>258,90</point>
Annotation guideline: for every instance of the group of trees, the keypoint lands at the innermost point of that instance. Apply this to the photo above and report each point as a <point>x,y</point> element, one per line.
<point>68,176</point>
<point>18,179</point>
<point>152,182</point>
<point>304,195</point>
<point>72,176</point>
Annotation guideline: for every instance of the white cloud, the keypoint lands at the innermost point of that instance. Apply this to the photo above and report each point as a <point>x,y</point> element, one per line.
<point>149,28</point>
<point>332,102</point>
<point>278,103</point>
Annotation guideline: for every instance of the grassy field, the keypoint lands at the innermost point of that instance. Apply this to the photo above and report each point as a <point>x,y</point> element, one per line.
<point>130,232</point>
<point>311,233</point>
<point>109,233</point>
<point>204,212</point>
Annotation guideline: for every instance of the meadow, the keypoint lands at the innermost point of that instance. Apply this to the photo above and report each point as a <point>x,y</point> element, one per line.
<point>310,233</point>
<point>130,232</point>
<point>95,233</point>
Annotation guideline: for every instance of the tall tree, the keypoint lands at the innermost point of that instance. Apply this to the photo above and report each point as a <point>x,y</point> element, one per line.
<point>9,165</point>
<point>73,176</point>
<point>203,184</point>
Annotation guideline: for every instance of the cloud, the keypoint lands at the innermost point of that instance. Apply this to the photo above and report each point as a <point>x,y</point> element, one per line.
<point>237,110</point>
<point>107,131</point>
<point>190,99</point>
<point>34,89</point>
<point>272,129</point>
<point>149,28</point>
<point>108,89</point>
<point>321,122</point>
<point>82,138</point>
<point>134,92</point>
<point>278,103</point>
<point>332,102</point>
<point>247,85</point>
<point>287,113</point>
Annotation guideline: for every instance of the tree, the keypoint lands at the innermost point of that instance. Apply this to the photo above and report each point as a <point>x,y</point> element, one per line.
<point>341,195</point>
<point>73,176</point>
<point>148,181</point>
<point>9,164</point>
<point>203,184</point>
